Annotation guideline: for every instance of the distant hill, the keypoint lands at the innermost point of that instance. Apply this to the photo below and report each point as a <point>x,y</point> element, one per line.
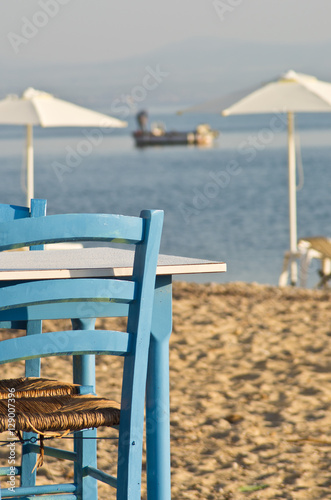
<point>199,69</point>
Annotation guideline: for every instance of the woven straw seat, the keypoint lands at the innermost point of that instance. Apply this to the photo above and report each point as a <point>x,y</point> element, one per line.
<point>60,413</point>
<point>34,387</point>
<point>49,405</point>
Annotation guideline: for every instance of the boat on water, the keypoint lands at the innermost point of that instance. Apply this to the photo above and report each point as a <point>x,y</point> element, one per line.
<point>203,135</point>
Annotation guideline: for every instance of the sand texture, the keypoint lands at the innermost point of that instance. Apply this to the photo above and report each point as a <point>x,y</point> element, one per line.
<point>250,390</point>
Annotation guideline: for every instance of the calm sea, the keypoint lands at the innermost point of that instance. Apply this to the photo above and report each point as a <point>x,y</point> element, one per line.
<point>228,202</point>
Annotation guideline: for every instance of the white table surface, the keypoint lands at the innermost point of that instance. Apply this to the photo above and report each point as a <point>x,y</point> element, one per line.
<point>88,262</point>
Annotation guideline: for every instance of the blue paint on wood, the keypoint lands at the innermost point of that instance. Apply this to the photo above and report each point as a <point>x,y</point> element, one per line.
<point>157,412</point>
<point>75,290</point>
<point>83,299</point>
<point>72,227</point>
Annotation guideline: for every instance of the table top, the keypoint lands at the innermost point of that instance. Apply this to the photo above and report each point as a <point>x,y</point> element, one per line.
<point>93,262</point>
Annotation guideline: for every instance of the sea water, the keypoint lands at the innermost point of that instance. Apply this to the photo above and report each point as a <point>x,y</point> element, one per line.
<point>226,203</point>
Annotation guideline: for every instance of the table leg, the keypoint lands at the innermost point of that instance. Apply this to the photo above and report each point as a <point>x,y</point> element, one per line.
<point>157,395</point>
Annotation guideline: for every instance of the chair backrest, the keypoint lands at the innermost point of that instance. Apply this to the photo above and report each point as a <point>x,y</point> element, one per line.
<point>90,298</point>
<point>72,228</point>
<point>98,297</point>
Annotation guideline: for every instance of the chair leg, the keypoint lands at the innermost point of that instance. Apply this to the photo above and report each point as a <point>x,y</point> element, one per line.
<point>326,265</point>
<point>86,449</point>
<point>284,274</point>
<point>32,369</point>
<point>304,267</point>
<point>85,442</point>
<point>130,438</point>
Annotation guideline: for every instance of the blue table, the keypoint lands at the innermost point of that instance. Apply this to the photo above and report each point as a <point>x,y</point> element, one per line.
<point>102,262</point>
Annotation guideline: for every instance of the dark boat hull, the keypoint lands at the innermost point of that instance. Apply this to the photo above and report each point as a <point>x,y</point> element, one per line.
<point>172,139</point>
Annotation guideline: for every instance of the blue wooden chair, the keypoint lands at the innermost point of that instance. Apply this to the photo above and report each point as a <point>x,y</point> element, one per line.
<point>42,405</point>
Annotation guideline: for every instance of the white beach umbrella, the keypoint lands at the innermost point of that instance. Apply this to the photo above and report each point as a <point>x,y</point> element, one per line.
<point>291,93</point>
<point>40,108</point>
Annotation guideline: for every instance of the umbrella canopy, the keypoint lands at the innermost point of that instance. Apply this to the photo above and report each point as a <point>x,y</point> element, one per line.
<point>40,108</point>
<point>291,93</point>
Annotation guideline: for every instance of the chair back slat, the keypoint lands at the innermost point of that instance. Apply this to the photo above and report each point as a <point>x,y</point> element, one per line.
<point>58,291</point>
<point>72,342</point>
<point>71,227</point>
<point>65,310</point>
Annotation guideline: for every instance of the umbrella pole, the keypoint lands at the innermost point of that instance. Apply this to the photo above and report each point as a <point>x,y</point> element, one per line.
<point>292,199</point>
<point>29,165</point>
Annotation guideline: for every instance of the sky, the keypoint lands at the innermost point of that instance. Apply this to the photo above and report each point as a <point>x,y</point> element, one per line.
<point>84,31</point>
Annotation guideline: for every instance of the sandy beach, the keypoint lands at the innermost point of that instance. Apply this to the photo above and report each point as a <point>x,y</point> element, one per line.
<point>250,390</point>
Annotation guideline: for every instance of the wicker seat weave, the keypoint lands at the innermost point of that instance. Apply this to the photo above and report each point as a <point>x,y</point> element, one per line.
<point>34,387</point>
<point>57,413</point>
